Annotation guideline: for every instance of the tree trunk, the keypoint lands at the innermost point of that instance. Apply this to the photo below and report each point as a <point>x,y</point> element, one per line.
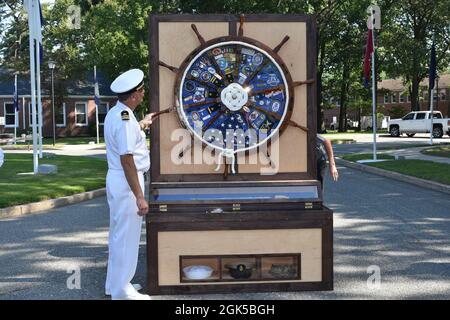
<point>359,119</point>
<point>343,98</point>
<point>415,93</point>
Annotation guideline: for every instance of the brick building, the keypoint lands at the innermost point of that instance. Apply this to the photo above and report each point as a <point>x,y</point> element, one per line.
<point>393,97</point>
<point>75,116</point>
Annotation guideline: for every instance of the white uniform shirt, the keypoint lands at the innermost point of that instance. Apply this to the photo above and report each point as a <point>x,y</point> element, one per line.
<point>125,137</point>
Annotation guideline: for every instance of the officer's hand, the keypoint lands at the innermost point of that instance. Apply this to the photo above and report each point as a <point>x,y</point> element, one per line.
<point>142,206</point>
<point>149,118</point>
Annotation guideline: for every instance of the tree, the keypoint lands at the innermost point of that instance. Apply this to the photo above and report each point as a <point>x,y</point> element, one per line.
<point>13,36</point>
<point>406,41</point>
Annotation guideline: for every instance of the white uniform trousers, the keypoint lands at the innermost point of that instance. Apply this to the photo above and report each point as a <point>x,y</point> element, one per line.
<point>124,234</point>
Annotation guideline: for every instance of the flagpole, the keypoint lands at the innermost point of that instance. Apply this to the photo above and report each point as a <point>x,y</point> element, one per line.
<point>96,106</point>
<point>16,104</point>
<point>33,84</point>
<point>431,116</point>
<point>23,113</point>
<point>431,84</point>
<point>38,77</point>
<point>374,95</point>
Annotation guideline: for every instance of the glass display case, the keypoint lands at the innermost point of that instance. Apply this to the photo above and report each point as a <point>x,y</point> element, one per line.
<point>218,198</point>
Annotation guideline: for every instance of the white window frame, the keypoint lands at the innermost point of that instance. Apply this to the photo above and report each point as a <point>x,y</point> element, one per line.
<point>435,94</point>
<point>5,114</point>
<point>443,91</point>
<point>107,110</point>
<point>59,125</point>
<point>386,98</point>
<point>87,115</point>
<point>401,98</point>
<point>394,96</point>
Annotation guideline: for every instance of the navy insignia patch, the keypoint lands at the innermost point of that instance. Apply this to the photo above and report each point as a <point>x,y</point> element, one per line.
<point>125,116</point>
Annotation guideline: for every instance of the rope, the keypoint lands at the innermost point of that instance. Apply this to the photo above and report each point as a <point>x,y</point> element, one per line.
<point>227,153</point>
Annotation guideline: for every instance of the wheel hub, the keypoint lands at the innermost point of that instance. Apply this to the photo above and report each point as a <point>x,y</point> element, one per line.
<point>234,97</point>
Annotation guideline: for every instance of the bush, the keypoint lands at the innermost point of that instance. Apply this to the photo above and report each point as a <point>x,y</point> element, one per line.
<point>397,112</point>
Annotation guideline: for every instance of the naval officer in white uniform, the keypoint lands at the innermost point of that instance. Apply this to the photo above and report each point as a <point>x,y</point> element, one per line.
<point>128,159</point>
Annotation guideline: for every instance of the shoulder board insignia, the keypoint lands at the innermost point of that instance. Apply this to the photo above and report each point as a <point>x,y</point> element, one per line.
<point>125,116</point>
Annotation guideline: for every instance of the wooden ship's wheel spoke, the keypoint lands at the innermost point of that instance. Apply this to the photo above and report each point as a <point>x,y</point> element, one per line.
<point>213,119</point>
<point>218,70</point>
<point>198,104</point>
<point>237,63</point>
<point>266,91</point>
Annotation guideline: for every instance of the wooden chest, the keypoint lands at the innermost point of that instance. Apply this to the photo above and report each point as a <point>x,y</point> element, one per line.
<point>245,251</point>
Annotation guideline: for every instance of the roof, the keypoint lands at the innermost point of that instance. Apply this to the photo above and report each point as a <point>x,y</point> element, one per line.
<point>80,87</point>
<point>397,84</point>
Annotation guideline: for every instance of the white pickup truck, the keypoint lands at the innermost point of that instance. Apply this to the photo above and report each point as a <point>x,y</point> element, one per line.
<point>419,122</point>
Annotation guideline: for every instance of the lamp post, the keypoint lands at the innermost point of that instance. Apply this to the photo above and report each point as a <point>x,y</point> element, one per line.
<point>51,66</point>
<point>437,91</point>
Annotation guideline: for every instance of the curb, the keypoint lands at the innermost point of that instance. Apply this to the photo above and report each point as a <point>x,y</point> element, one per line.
<point>396,176</point>
<point>24,209</point>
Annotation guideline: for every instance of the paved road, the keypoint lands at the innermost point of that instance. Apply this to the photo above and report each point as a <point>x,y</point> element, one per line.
<point>401,228</point>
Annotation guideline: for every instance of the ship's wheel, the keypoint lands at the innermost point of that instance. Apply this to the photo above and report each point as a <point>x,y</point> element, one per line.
<point>234,93</point>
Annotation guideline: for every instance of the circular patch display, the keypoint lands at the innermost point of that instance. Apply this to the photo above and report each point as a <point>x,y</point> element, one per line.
<point>237,91</point>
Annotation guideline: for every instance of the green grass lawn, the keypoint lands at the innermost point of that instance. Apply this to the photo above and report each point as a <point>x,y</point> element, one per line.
<point>441,151</point>
<point>75,175</point>
<point>401,146</point>
<point>341,141</point>
<point>428,170</point>
<point>366,156</point>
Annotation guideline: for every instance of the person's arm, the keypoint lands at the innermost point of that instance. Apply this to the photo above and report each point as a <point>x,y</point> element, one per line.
<point>329,149</point>
<point>126,136</point>
<point>130,170</point>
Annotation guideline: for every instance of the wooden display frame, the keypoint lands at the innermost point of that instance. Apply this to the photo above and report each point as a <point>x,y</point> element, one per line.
<point>170,223</point>
<point>207,173</point>
<point>180,229</point>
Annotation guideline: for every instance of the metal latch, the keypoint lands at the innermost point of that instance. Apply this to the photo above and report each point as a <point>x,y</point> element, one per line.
<point>215,211</point>
<point>236,207</point>
<point>163,208</point>
<point>308,205</point>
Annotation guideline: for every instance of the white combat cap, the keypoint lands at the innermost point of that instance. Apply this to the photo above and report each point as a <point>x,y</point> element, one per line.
<point>128,81</point>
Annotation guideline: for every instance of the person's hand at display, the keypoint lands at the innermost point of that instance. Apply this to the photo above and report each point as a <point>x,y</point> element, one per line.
<point>149,117</point>
<point>147,121</point>
<point>334,172</point>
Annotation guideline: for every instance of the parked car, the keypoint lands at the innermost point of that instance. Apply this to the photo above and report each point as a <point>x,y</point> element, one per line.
<point>419,122</point>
